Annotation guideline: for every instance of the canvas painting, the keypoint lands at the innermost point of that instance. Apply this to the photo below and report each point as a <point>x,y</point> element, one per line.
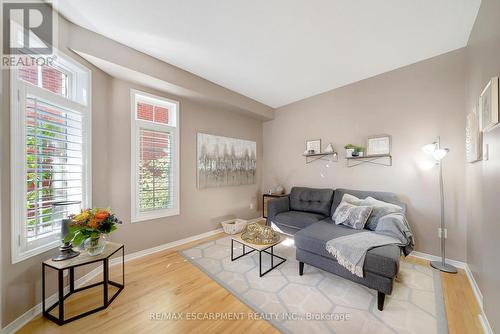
<point>473,137</point>
<point>224,161</point>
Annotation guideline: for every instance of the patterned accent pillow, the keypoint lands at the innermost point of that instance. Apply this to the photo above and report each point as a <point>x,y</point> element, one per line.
<point>351,215</point>
<point>379,208</point>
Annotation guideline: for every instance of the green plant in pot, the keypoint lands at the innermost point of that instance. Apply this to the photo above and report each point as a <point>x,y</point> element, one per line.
<point>350,150</point>
<point>358,151</point>
<point>89,227</point>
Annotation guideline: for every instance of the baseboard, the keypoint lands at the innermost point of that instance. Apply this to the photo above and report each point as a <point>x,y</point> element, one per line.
<point>479,297</point>
<point>475,287</point>
<point>15,325</point>
<point>472,281</point>
<point>29,315</point>
<point>166,246</point>
<point>429,257</point>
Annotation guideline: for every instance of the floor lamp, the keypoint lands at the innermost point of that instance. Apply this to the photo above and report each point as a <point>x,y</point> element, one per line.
<point>438,153</point>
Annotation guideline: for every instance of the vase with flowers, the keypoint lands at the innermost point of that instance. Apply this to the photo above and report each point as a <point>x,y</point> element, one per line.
<point>90,227</point>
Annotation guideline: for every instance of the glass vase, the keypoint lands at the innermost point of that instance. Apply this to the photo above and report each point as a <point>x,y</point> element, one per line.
<point>95,246</point>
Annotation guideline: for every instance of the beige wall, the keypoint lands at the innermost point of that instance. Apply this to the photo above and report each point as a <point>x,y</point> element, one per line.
<point>483,178</point>
<point>200,210</point>
<point>414,104</point>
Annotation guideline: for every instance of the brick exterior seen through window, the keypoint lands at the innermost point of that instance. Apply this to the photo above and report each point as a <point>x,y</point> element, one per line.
<point>29,74</point>
<point>52,79</point>
<point>151,113</point>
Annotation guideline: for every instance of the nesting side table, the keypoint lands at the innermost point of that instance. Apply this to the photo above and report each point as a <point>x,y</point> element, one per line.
<point>83,259</point>
<point>259,248</point>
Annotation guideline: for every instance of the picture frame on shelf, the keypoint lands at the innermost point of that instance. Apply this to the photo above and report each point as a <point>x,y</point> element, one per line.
<point>313,146</point>
<point>378,145</point>
<point>488,105</point>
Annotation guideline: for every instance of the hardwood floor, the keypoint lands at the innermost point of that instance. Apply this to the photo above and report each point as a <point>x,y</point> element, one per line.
<point>461,306</point>
<point>165,282</point>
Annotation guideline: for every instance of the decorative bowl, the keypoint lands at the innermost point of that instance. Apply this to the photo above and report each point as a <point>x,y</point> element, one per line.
<point>259,235</point>
<point>234,226</point>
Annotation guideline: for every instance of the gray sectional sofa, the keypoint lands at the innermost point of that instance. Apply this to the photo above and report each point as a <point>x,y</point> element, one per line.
<point>306,214</point>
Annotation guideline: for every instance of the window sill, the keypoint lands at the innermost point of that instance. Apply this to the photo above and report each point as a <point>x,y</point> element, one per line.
<point>154,215</point>
<point>21,256</point>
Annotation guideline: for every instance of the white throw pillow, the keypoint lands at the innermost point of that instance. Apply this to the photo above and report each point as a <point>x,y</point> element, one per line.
<point>352,199</point>
<point>354,216</point>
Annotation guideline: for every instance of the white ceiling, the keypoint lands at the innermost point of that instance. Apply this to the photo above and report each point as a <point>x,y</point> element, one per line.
<point>281,51</point>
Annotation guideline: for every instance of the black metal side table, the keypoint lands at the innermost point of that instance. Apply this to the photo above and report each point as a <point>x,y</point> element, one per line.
<point>259,248</point>
<point>83,259</point>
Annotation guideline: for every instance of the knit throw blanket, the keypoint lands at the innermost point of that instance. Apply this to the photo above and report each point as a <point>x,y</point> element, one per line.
<point>350,250</point>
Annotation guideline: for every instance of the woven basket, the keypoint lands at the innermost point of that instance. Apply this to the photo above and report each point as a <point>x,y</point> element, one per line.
<point>234,226</point>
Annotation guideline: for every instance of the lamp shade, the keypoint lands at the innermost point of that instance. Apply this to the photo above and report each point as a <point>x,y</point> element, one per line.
<point>429,148</point>
<point>439,153</point>
<point>435,151</point>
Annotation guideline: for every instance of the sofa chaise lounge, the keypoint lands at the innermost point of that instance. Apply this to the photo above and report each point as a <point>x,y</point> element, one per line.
<point>306,213</point>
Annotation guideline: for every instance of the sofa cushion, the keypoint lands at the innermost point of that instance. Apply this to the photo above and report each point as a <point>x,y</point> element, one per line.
<point>381,196</point>
<point>297,219</point>
<point>311,200</point>
<point>382,260</point>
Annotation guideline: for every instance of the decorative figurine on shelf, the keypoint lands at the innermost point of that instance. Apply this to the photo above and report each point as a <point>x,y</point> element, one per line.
<point>329,148</point>
<point>90,226</point>
<point>66,249</point>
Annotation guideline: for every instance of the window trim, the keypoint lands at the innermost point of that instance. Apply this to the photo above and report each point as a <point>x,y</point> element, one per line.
<point>136,124</point>
<point>20,88</point>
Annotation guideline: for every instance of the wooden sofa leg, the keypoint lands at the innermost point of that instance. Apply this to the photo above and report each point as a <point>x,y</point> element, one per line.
<point>301,268</point>
<point>380,300</point>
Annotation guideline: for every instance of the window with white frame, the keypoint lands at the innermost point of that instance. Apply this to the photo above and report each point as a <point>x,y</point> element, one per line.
<point>155,156</point>
<point>50,152</point>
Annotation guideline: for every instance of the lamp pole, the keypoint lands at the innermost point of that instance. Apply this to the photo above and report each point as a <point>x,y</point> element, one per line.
<point>442,265</point>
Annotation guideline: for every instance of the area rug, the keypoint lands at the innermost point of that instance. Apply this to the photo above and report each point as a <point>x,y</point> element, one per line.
<point>320,302</point>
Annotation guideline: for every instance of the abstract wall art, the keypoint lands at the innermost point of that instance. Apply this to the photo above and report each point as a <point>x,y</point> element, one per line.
<point>472,137</point>
<point>224,161</point>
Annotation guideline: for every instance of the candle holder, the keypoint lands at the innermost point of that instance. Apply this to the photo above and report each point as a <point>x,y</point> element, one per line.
<point>66,249</point>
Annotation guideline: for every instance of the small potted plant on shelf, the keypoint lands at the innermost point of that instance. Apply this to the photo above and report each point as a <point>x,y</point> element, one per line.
<point>349,150</point>
<point>358,151</point>
<point>90,228</point>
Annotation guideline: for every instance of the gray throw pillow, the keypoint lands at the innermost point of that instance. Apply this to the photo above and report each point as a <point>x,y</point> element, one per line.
<point>380,209</point>
<point>351,215</point>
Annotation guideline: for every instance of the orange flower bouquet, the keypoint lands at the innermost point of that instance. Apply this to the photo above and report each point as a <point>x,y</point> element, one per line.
<point>88,226</point>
